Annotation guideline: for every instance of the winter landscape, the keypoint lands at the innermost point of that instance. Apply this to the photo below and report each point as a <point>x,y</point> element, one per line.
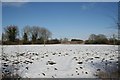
<point>59,40</point>
<point>62,61</point>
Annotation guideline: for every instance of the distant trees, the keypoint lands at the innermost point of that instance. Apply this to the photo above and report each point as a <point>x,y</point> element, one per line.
<point>35,30</point>
<point>92,37</point>
<point>45,34</point>
<point>10,33</point>
<point>26,33</point>
<point>97,39</point>
<point>54,41</point>
<point>76,41</point>
<point>114,40</point>
<point>25,38</point>
<point>41,35</point>
<point>34,35</point>
<point>102,39</point>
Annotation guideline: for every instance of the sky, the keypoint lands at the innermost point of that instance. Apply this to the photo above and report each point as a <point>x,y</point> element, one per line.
<point>63,19</point>
<point>0,19</point>
<point>59,0</point>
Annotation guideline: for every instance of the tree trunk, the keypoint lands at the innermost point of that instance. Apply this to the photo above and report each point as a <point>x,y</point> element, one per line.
<point>44,42</point>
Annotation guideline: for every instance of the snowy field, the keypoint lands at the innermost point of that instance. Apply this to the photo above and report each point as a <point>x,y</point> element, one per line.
<point>62,61</point>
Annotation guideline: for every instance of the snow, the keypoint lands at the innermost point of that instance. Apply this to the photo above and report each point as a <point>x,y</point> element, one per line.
<point>62,61</point>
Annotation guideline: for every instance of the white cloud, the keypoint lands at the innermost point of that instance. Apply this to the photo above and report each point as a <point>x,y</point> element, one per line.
<point>16,4</point>
<point>87,6</point>
<point>84,7</point>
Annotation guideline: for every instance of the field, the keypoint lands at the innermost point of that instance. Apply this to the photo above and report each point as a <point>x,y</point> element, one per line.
<point>62,61</point>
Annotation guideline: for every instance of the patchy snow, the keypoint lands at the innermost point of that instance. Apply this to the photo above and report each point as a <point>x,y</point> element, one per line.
<point>62,61</point>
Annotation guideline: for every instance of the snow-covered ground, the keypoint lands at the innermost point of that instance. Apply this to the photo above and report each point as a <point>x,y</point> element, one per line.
<point>62,61</point>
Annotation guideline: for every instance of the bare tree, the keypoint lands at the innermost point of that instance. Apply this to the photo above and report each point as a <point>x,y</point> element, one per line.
<point>45,34</point>
<point>92,37</point>
<point>116,22</point>
<point>101,36</point>
<point>27,32</point>
<point>97,39</point>
<point>35,30</point>
<point>25,37</point>
<point>35,33</point>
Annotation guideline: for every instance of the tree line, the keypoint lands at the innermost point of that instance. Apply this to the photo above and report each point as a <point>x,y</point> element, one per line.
<point>30,35</point>
<point>102,39</point>
<point>41,35</point>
